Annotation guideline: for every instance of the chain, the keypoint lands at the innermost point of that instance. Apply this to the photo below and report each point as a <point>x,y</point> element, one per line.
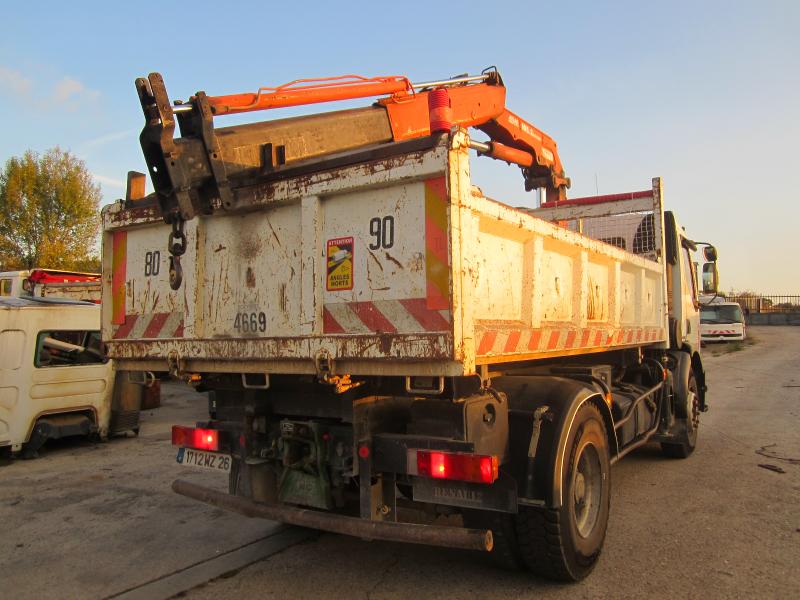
<point>176,247</point>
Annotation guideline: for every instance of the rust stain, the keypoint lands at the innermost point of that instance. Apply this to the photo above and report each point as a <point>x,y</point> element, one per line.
<point>250,278</point>
<point>212,295</point>
<point>282,298</point>
<point>272,229</point>
<point>219,248</point>
<point>375,258</point>
<point>137,215</point>
<point>221,347</point>
<point>250,247</point>
<point>417,263</point>
<point>385,343</point>
<point>394,260</point>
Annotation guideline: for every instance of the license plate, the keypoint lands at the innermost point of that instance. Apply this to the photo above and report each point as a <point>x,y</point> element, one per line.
<point>210,461</point>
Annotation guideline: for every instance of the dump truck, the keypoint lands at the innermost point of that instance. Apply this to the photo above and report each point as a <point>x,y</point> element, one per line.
<point>377,335</point>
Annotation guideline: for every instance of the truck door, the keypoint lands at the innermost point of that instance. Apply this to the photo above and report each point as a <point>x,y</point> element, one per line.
<point>690,308</point>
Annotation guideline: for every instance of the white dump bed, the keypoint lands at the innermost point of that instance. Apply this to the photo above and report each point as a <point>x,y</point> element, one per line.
<point>397,265</point>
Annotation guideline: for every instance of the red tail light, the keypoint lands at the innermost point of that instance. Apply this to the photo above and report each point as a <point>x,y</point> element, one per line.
<point>192,437</point>
<point>461,467</point>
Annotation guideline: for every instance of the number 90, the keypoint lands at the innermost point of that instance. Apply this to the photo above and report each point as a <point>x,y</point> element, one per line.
<point>383,232</point>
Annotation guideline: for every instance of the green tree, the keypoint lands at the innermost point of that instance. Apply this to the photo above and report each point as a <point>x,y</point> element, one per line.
<point>48,211</point>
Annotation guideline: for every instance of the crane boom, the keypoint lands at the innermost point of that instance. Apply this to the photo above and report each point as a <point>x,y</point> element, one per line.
<point>199,169</point>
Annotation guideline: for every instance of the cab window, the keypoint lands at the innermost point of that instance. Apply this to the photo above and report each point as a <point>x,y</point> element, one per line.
<point>68,348</point>
<point>5,287</point>
<point>689,277</point>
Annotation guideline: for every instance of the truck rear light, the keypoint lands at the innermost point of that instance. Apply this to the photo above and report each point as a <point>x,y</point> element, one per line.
<point>457,466</point>
<point>193,437</point>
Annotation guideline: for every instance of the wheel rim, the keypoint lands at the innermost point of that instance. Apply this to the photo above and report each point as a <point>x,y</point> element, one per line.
<point>587,490</point>
<point>695,409</point>
<point>693,422</point>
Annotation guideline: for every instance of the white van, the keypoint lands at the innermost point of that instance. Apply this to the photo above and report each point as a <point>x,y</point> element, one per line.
<point>721,322</point>
<point>55,380</point>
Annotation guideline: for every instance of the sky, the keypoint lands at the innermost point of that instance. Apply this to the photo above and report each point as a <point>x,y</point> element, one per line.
<point>704,94</point>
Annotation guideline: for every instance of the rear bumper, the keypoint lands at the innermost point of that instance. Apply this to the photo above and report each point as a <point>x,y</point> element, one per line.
<point>448,537</point>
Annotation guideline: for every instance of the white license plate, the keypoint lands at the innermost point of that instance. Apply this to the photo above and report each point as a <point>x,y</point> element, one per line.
<point>211,461</point>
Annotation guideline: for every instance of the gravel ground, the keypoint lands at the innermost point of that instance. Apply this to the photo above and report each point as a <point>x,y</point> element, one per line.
<point>91,520</point>
<point>714,526</point>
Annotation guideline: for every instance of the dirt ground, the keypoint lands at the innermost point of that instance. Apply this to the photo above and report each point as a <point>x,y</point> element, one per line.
<point>91,521</point>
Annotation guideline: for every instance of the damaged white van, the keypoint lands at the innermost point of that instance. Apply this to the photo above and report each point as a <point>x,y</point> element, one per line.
<point>55,380</point>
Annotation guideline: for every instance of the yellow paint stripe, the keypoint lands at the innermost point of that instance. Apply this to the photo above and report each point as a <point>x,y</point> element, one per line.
<point>436,244</point>
<point>119,263</point>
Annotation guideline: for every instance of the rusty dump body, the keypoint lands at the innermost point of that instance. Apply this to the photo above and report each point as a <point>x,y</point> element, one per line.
<point>375,333</point>
<point>392,264</point>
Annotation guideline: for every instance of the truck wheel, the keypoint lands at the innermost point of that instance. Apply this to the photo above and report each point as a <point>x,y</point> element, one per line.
<point>686,424</point>
<point>505,553</point>
<point>564,543</point>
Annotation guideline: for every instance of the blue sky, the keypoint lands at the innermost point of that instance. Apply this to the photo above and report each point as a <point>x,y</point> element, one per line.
<point>704,94</point>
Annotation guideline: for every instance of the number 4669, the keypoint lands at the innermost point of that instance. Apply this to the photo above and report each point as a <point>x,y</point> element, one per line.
<point>250,322</point>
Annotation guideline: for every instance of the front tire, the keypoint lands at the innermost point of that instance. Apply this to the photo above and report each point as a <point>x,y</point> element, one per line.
<point>686,424</point>
<point>564,543</point>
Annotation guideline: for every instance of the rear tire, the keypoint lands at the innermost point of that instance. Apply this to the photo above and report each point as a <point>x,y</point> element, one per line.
<point>564,544</point>
<point>686,424</point>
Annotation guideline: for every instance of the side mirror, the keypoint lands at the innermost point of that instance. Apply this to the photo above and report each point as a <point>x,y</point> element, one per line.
<point>710,254</point>
<point>710,278</point>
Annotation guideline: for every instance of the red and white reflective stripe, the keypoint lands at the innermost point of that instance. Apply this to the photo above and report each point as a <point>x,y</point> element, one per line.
<point>150,326</point>
<point>721,332</point>
<point>528,341</point>
<point>410,315</point>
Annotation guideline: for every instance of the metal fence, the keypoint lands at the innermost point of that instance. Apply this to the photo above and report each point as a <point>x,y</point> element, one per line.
<point>766,304</point>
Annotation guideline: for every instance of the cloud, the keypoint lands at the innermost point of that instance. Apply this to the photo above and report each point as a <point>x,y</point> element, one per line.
<point>70,92</point>
<point>109,181</point>
<point>66,88</point>
<point>102,140</point>
<point>67,93</point>
<point>15,82</point>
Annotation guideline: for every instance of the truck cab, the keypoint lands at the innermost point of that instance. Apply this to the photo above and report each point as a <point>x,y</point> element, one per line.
<point>11,283</point>
<point>722,321</point>
<point>55,379</point>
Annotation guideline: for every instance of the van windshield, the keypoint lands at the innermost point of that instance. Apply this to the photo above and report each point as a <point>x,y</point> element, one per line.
<point>728,313</point>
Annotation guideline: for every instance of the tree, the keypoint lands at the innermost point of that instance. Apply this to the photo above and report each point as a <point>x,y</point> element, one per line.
<point>48,212</point>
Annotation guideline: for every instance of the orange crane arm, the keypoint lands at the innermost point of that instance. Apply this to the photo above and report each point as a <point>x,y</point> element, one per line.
<point>482,106</point>
<point>309,91</point>
<point>477,101</point>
